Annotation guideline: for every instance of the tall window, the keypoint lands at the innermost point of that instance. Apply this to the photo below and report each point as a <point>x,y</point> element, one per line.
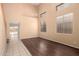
<point>64,22</point>
<point>42,22</point>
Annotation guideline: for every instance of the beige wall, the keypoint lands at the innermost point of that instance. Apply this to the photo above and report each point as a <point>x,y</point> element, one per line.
<point>26,15</point>
<point>50,18</point>
<point>2,34</point>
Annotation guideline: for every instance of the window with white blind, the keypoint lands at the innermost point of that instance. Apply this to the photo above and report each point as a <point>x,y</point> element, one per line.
<point>42,22</point>
<point>65,23</point>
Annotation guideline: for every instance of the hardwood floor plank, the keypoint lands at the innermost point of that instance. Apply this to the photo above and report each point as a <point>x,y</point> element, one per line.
<point>42,47</point>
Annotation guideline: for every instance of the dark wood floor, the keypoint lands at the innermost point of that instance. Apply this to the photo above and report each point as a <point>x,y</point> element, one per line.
<point>43,47</point>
